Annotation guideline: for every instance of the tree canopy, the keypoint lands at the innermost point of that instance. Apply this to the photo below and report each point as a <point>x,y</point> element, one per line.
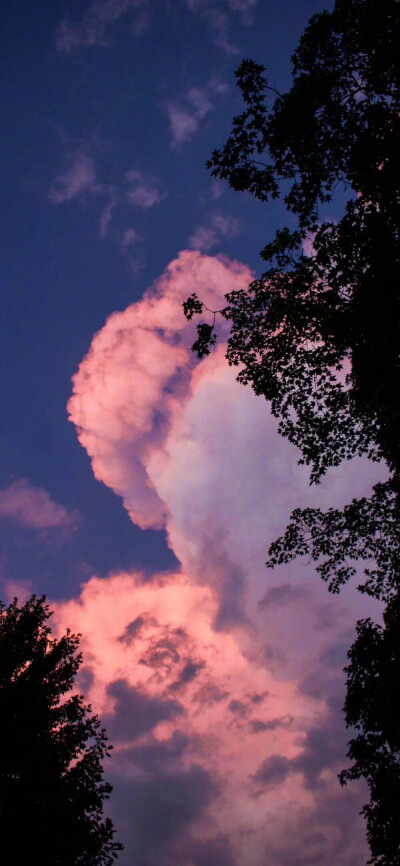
<point>313,334</point>
<point>318,333</point>
<point>51,749</point>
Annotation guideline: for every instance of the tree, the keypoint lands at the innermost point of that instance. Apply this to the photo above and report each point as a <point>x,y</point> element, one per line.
<point>318,334</point>
<point>51,749</point>
<point>372,707</point>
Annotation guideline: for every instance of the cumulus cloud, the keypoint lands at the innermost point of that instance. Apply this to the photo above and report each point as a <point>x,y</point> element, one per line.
<point>207,236</point>
<point>176,741</point>
<point>186,114</point>
<point>137,370</point>
<point>77,181</point>
<point>222,682</point>
<point>135,712</point>
<point>33,508</point>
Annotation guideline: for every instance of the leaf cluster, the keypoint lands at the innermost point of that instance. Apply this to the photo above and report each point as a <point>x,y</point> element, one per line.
<point>367,529</point>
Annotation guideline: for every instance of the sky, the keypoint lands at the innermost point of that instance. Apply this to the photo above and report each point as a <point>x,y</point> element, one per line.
<point>139,487</point>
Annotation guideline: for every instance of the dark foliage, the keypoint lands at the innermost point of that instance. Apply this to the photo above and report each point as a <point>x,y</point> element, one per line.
<point>318,334</point>
<point>373,708</point>
<point>51,749</point>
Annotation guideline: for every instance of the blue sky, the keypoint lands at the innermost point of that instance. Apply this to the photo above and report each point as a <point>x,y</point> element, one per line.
<point>220,683</point>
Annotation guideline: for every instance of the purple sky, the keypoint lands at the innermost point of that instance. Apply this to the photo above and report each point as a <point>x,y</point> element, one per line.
<point>147,519</point>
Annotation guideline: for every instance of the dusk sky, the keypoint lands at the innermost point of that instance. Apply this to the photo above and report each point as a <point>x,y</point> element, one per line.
<point>139,487</point>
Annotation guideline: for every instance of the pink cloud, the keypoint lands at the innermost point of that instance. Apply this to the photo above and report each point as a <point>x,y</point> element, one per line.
<point>122,397</point>
<point>107,212</point>
<point>186,704</point>
<point>80,180</point>
<point>22,590</point>
<point>221,682</point>
<point>129,238</point>
<point>205,237</point>
<point>186,115</point>
<point>77,181</point>
<point>142,192</point>
<point>32,507</point>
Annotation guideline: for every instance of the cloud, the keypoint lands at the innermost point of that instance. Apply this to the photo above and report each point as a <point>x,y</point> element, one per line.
<point>129,238</point>
<point>273,770</point>
<point>244,7</point>
<point>141,192</point>
<point>205,237</point>
<point>158,806</point>
<point>99,18</point>
<point>218,16</point>
<point>282,595</point>
<point>151,418</point>
<point>323,749</point>
<point>78,181</point>
<point>107,212</point>
<point>186,115</point>
<point>134,362</point>
<point>102,16</point>
<point>182,772</point>
<point>233,674</point>
<point>136,260</point>
<point>187,747</point>
<point>135,712</point>
<point>33,508</point>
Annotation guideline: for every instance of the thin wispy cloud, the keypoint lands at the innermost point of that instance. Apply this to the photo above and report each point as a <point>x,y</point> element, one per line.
<point>78,181</point>
<point>129,247</point>
<point>220,26</point>
<point>33,508</point>
<point>84,177</point>
<point>185,115</point>
<point>96,26</point>
<point>244,7</point>
<point>129,238</point>
<point>218,16</point>
<point>142,192</point>
<point>218,22</point>
<point>107,212</point>
<point>207,236</point>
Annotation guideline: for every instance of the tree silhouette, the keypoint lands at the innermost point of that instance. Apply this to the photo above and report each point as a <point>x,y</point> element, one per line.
<point>319,333</point>
<point>372,707</point>
<point>51,749</point>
